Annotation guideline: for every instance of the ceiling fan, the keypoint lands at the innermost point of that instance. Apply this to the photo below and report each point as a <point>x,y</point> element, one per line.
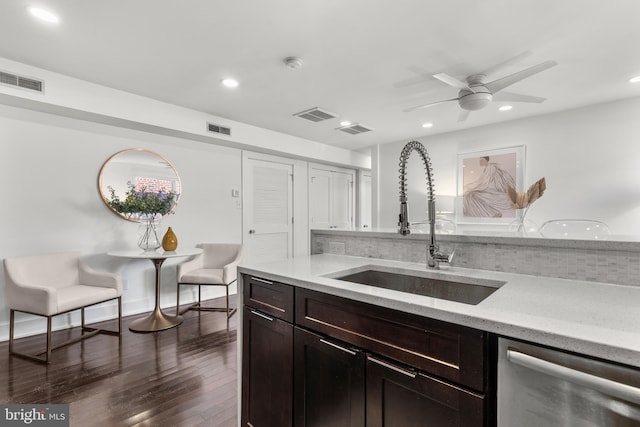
<point>475,94</point>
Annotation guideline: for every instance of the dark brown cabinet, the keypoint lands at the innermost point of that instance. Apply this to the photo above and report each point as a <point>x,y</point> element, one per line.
<point>269,297</point>
<point>267,354</point>
<point>398,396</point>
<point>312,359</point>
<point>329,382</point>
<point>449,351</point>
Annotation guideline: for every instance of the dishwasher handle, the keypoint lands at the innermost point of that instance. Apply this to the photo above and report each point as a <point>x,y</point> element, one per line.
<point>602,385</point>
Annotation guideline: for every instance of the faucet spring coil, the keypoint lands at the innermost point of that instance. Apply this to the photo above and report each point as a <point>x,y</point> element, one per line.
<point>404,157</point>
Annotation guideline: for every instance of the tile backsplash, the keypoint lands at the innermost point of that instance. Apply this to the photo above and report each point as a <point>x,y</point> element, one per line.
<point>534,257</point>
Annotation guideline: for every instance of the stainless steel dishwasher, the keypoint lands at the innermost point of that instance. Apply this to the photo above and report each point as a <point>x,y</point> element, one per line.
<point>540,387</point>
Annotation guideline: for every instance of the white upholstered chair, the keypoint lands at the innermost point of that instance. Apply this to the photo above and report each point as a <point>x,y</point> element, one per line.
<point>215,266</point>
<point>52,284</point>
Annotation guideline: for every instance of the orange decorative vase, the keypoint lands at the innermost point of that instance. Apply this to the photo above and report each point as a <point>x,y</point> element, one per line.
<point>169,241</point>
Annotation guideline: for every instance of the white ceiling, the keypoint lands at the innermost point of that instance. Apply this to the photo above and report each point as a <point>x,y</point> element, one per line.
<point>364,60</point>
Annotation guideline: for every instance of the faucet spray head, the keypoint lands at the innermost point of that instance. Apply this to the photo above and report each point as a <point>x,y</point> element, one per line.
<point>403,220</point>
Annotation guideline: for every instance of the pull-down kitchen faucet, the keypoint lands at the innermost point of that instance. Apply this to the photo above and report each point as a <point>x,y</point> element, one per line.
<point>434,257</point>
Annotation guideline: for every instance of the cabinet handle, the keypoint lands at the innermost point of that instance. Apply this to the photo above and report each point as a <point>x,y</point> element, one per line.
<point>264,316</point>
<point>392,367</point>
<point>339,347</point>
<point>257,279</point>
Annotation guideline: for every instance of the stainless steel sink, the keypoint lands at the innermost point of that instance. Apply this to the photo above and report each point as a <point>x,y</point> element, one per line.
<point>471,291</point>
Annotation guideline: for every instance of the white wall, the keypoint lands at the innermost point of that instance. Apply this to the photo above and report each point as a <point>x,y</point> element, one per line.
<point>589,156</point>
<point>49,169</point>
<point>67,96</point>
<point>53,144</point>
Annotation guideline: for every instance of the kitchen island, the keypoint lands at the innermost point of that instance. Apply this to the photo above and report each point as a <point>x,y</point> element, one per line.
<point>598,320</point>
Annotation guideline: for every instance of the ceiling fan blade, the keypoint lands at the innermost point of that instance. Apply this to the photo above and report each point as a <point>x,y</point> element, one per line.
<point>517,97</point>
<point>503,82</point>
<point>452,81</point>
<point>463,115</point>
<point>497,67</point>
<point>431,104</point>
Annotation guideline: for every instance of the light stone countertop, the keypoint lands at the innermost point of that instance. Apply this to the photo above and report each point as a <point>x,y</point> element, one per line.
<point>596,319</point>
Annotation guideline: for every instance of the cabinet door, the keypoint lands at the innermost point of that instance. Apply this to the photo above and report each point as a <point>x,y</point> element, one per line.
<point>329,382</point>
<point>267,376</point>
<point>399,397</point>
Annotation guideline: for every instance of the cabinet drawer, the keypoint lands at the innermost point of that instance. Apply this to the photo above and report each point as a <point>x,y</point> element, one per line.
<point>449,351</point>
<point>273,298</point>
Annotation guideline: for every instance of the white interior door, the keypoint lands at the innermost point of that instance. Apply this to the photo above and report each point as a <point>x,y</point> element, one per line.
<point>268,210</point>
<point>319,198</point>
<point>342,200</point>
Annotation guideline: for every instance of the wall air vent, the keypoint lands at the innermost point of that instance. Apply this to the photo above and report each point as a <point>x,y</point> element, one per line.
<point>211,127</point>
<point>9,79</point>
<point>354,129</point>
<point>315,115</point>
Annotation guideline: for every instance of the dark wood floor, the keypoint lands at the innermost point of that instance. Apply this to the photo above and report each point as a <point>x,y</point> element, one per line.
<point>185,376</point>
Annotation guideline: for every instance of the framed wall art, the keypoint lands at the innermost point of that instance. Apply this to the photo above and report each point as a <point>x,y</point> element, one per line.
<point>483,177</point>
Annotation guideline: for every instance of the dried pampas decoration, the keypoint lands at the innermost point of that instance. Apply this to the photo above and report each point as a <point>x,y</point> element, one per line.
<point>525,199</point>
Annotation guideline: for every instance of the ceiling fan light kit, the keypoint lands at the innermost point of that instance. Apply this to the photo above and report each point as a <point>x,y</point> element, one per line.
<point>293,62</point>
<point>473,101</point>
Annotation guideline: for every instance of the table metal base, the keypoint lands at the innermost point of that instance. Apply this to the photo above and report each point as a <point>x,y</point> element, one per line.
<point>156,321</point>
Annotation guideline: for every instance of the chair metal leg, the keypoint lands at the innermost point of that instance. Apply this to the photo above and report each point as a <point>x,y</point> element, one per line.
<point>178,301</point>
<point>197,306</point>
<point>228,315</point>
<point>12,315</point>
<point>48,357</point>
<point>119,316</point>
<point>45,355</point>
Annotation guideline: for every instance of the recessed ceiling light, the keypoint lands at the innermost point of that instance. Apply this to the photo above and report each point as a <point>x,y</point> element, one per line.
<point>43,14</point>
<point>505,108</point>
<point>635,79</point>
<point>345,123</point>
<point>427,125</point>
<point>230,83</point>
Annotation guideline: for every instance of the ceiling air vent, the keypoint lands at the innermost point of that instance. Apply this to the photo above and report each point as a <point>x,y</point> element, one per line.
<point>315,115</point>
<point>354,129</point>
<point>9,79</point>
<point>211,127</point>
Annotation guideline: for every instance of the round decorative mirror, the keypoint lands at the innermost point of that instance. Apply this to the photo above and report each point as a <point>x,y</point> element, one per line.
<point>139,185</point>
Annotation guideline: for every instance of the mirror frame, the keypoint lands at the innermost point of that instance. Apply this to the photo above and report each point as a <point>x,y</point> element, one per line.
<point>102,189</point>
